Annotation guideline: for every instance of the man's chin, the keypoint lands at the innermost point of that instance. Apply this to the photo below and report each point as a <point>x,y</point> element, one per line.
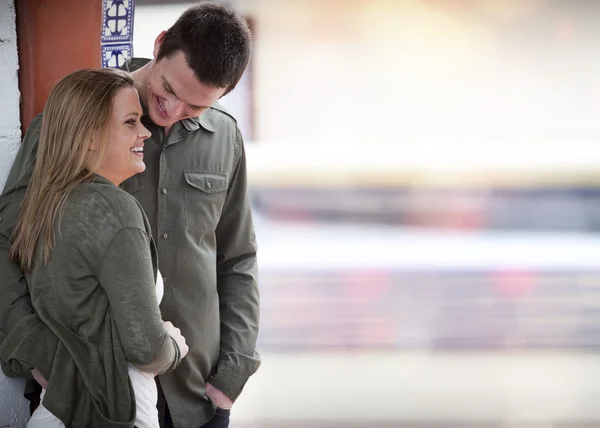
<point>161,121</point>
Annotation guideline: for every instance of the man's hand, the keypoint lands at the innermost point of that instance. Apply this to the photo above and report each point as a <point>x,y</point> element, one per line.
<point>221,400</point>
<point>39,378</point>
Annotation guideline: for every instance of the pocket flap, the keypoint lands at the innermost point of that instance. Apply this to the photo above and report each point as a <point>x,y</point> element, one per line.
<point>207,182</point>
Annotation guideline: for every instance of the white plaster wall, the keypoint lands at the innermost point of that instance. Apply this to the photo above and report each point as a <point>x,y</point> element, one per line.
<point>10,126</point>
<point>13,407</point>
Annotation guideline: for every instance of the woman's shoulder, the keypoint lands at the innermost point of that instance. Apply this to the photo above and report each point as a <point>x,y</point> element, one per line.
<point>99,202</point>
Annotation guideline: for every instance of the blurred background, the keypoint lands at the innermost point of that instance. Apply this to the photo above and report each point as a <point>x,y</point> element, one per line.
<point>426,188</point>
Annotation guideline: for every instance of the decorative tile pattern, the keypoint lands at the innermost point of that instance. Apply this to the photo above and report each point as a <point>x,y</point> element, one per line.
<point>117,21</point>
<point>114,56</point>
<point>117,32</point>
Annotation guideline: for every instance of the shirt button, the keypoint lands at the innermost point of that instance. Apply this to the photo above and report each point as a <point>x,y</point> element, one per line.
<point>165,235</point>
<point>164,191</point>
<point>209,185</point>
<point>164,279</point>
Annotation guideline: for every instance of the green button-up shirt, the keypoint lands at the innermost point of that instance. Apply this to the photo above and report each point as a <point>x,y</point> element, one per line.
<point>194,193</point>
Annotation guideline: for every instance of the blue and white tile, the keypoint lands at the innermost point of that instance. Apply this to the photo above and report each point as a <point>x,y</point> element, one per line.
<point>114,56</point>
<point>117,21</point>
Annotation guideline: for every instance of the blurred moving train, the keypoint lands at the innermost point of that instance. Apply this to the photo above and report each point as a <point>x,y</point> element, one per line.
<point>430,287</point>
<point>465,247</point>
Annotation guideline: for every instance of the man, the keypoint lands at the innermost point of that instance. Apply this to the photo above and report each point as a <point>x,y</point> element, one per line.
<point>194,193</point>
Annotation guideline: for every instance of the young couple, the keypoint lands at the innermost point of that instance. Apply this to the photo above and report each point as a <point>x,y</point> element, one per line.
<point>125,172</point>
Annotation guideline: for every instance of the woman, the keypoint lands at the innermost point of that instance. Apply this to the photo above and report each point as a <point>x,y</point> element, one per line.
<point>90,263</point>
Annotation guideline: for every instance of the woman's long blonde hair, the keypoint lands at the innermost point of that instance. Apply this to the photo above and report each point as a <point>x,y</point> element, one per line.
<point>72,145</point>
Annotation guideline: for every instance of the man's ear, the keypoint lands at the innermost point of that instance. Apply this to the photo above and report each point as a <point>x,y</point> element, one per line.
<point>158,43</point>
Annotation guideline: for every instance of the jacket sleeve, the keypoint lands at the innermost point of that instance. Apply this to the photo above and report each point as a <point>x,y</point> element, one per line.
<point>126,275</point>
<point>15,302</point>
<point>237,286</point>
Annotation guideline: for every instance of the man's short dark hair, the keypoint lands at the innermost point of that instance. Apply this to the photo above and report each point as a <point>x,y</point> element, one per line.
<point>216,42</point>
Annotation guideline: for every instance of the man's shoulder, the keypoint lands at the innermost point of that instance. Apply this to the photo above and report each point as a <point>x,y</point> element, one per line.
<point>135,63</point>
<point>31,139</point>
<point>22,167</point>
<point>217,119</point>
<point>221,112</point>
<point>36,122</point>
<point>223,126</point>
<point>32,135</point>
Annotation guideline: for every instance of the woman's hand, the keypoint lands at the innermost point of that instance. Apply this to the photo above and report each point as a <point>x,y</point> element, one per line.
<point>175,333</point>
<point>39,378</point>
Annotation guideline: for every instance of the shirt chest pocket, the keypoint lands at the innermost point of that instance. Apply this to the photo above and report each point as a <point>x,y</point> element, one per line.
<point>204,196</point>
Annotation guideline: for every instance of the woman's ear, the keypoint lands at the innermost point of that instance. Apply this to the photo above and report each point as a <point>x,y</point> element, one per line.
<point>95,143</point>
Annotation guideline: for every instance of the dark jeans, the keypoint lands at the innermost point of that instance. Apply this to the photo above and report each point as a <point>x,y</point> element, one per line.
<point>32,392</point>
<point>219,420</point>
